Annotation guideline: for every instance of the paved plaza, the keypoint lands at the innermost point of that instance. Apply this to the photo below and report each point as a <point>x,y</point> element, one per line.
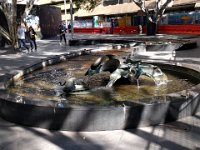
<point>183,134</point>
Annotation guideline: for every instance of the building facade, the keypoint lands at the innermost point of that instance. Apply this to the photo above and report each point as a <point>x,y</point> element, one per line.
<point>124,16</point>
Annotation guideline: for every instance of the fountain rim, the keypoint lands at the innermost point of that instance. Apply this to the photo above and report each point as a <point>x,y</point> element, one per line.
<point>179,96</point>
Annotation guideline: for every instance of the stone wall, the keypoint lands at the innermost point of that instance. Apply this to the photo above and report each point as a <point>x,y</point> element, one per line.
<point>50,18</point>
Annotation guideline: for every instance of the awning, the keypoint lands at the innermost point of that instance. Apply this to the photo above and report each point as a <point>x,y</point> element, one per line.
<point>121,9</point>
<point>114,9</point>
<point>99,10</point>
<point>197,5</point>
<point>183,2</point>
<point>109,10</point>
<point>126,8</point>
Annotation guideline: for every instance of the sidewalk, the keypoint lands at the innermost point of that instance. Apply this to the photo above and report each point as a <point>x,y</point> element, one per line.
<point>183,134</point>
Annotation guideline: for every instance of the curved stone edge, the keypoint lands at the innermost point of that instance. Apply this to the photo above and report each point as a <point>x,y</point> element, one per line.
<point>43,63</point>
<point>124,115</point>
<point>188,45</point>
<point>185,44</point>
<point>98,118</point>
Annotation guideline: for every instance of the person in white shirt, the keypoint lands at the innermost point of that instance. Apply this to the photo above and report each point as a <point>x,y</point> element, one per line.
<point>21,30</point>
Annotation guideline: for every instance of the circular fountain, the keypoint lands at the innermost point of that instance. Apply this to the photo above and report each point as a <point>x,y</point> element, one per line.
<point>38,96</point>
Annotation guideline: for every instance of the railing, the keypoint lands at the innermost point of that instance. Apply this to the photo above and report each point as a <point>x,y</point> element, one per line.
<point>180,29</point>
<point>173,29</point>
<point>109,30</point>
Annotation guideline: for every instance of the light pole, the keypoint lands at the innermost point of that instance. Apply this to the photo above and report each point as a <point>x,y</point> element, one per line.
<point>65,13</point>
<point>71,13</point>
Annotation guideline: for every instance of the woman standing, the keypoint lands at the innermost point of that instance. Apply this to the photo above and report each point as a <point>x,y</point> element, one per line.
<point>21,36</point>
<point>32,34</point>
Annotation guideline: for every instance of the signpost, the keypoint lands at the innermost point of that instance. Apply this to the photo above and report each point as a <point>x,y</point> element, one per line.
<point>71,13</point>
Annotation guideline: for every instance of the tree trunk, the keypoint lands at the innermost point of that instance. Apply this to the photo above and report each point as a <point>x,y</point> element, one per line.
<point>9,10</point>
<point>151,28</point>
<point>12,25</point>
<point>158,13</point>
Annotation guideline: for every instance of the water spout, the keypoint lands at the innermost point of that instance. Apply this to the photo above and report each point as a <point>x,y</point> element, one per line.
<point>111,82</point>
<point>138,83</point>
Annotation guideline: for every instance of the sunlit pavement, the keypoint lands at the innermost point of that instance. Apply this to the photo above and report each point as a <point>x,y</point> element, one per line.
<point>183,134</point>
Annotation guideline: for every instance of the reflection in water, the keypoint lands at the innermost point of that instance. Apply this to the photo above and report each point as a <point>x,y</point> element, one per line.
<point>19,99</point>
<point>44,85</point>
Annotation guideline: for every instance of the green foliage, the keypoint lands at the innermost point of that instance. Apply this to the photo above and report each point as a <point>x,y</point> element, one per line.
<point>86,4</point>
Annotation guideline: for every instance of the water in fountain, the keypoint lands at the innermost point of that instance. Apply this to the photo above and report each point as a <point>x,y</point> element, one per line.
<point>42,84</point>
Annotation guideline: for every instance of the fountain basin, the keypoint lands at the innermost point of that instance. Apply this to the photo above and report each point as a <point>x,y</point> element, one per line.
<point>60,115</point>
<point>151,43</point>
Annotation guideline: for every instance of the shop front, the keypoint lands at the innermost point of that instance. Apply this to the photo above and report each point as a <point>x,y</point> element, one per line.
<point>127,18</point>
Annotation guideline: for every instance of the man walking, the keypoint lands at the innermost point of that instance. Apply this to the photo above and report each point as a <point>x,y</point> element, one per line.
<point>62,30</point>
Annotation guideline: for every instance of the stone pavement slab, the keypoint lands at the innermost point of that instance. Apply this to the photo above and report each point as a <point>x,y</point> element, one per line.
<point>181,135</point>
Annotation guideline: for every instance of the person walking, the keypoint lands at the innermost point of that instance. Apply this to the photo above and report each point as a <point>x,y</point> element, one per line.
<point>62,30</point>
<point>32,35</point>
<point>69,28</point>
<point>21,30</point>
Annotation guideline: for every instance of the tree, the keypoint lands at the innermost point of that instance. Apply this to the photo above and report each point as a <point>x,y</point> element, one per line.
<point>159,10</point>
<point>9,9</point>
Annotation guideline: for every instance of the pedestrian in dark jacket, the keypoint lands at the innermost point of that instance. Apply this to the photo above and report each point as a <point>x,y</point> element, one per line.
<point>62,30</point>
<point>32,35</point>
